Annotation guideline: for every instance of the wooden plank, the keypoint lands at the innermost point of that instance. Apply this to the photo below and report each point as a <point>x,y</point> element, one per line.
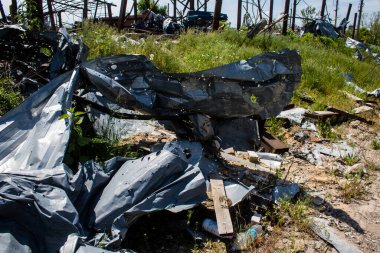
<point>222,213</point>
<point>271,144</point>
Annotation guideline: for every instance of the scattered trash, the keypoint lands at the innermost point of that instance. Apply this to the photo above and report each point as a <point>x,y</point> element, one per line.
<point>320,27</point>
<point>211,226</point>
<point>285,192</point>
<point>243,240</point>
<point>256,218</point>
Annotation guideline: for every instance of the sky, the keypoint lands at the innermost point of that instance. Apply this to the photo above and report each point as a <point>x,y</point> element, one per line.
<point>229,7</point>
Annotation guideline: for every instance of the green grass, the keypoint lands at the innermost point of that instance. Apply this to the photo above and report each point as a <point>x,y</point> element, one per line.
<point>9,95</point>
<point>323,60</point>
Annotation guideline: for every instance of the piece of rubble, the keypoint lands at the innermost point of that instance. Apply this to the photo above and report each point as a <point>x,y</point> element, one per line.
<point>353,97</point>
<point>229,151</point>
<point>253,156</point>
<point>331,235</point>
<point>272,161</point>
<point>361,109</point>
<point>339,149</point>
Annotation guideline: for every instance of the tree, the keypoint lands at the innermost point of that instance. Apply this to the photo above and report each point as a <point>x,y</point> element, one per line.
<point>143,5</point>
<point>308,13</point>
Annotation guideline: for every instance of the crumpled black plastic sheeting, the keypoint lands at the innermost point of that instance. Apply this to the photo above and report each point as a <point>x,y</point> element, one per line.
<point>262,85</point>
<point>321,28</point>
<point>39,56</point>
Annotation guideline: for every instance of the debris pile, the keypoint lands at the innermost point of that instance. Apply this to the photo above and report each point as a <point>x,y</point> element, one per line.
<point>202,147</point>
<point>90,204</point>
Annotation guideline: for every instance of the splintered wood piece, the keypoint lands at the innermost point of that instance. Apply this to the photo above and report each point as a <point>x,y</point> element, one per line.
<point>223,217</point>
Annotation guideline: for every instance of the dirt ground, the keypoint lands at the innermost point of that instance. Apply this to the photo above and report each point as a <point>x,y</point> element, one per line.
<point>345,193</point>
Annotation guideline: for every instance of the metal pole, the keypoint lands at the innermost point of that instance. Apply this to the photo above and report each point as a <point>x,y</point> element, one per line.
<point>205,5</point>
<point>294,15</point>
<point>270,11</point>
<point>285,21</point>
<point>336,12</point>
<point>353,27</point>
<point>123,8</point>
<point>239,14</point>
<point>359,19</point>
<point>218,9</point>
<point>51,15</point>
<point>323,8</point>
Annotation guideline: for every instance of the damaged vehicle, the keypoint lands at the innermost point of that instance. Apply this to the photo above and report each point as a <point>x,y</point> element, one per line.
<point>47,205</point>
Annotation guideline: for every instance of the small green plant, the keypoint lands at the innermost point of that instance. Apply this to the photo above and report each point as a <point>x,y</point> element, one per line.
<point>353,188</point>
<point>10,96</point>
<point>297,213</point>
<point>350,159</point>
<point>275,127</point>
<point>371,166</point>
<point>375,144</point>
<point>253,98</point>
<point>326,131</point>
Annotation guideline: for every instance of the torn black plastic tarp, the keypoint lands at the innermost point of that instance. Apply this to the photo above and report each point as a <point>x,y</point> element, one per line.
<point>321,28</point>
<point>261,85</point>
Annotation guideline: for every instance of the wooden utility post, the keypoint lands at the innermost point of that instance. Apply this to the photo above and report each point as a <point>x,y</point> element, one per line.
<point>40,12</point>
<point>135,11</point>
<point>353,27</point>
<point>175,9</point>
<point>191,5</point>
<point>109,8</point>
<point>270,11</point>
<point>260,10</point>
<point>285,21</point>
<point>217,11</point>
<point>294,15</point>
<point>348,14</point>
<point>123,8</point>
<point>359,19</point>
<point>85,9</point>
<point>60,18</point>
<point>336,12</point>
<point>323,8</point>
<point>4,17</point>
<point>51,15</point>
<point>96,9</point>
<point>14,11</point>
<point>239,14</point>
